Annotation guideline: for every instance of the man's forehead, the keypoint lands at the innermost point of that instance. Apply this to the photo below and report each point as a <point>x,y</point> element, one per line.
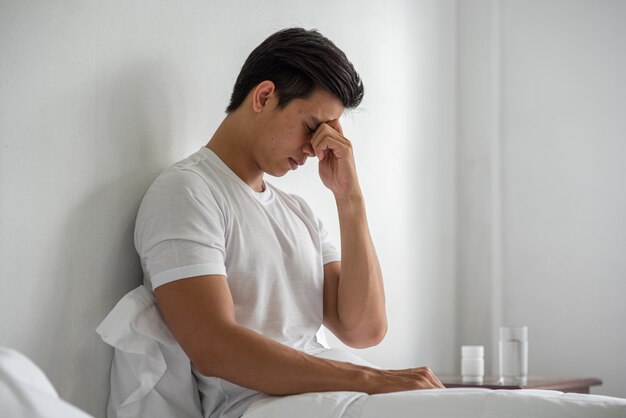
<point>322,107</point>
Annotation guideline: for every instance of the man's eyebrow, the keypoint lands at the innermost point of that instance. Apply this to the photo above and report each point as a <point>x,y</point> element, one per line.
<point>316,121</point>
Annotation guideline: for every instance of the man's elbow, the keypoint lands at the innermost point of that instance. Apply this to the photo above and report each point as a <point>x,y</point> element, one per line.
<point>211,357</point>
<point>205,364</point>
<point>203,369</point>
<point>370,337</point>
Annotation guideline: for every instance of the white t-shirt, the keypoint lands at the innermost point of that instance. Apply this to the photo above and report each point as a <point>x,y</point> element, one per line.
<point>200,218</point>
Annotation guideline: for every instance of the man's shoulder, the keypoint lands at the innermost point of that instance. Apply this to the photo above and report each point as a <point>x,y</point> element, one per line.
<point>188,180</point>
<point>182,190</point>
<point>195,171</point>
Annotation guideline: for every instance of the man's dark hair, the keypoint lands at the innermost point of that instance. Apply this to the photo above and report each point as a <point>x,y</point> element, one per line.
<point>298,61</point>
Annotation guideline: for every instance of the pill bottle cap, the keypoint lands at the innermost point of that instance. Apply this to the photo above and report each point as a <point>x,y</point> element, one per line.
<point>472,351</point>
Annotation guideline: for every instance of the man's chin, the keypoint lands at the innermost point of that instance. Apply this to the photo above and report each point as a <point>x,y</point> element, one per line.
<point>277,174</point>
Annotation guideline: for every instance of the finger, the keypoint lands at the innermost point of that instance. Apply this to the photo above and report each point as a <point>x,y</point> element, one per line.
<point>335,125</point>
<point>325,130</point>
<point>327,144</point>
<point>435,380</point>
<point>330,139</point>
<point>417,376</point>
<point>428,378</point>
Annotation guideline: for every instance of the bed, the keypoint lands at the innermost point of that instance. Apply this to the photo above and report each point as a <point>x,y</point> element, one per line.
<point>135,327</point>
<point>26,392</point>
<point>441,403</point>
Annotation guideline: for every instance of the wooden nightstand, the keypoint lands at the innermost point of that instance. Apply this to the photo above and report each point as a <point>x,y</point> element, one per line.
<point>563,384</point>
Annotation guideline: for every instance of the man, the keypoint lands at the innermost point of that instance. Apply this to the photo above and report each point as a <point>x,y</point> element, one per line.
<point>244,273</point>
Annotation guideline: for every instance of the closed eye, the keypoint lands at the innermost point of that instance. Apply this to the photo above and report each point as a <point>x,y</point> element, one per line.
<point>309,129</point>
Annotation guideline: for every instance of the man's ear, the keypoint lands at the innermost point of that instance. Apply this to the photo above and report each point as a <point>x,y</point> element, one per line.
<point>262,94</point>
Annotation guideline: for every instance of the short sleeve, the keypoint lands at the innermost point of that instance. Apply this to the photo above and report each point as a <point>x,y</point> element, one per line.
<point>330,253</point>
<point>180,229</point>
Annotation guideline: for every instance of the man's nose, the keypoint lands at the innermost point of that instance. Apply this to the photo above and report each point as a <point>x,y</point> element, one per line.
<point>308,149</point>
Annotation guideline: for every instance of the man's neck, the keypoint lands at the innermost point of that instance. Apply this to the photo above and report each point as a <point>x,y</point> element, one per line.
<point>230,144</point>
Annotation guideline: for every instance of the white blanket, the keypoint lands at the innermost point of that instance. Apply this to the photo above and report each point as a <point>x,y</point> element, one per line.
<point>441,403</point>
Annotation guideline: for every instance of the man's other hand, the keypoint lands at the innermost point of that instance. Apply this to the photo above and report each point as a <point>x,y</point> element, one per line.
<point>385,381</point>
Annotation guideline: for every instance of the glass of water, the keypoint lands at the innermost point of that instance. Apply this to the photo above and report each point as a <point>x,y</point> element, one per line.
<point>513,355</point>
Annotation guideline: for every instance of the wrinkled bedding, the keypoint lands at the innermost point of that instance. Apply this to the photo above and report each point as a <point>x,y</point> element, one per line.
<point>441,403</point>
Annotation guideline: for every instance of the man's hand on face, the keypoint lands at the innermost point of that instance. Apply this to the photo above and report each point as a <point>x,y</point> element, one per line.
<point>336,160</point>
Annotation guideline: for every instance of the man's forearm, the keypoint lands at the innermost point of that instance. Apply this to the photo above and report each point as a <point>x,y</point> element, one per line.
<point>249,359</point>
<point>361,295</point>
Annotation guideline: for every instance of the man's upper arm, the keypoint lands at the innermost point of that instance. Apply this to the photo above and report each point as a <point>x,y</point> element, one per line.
<point>197,310</point>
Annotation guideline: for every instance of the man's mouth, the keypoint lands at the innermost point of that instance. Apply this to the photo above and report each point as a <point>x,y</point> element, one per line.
<point>294,163</point>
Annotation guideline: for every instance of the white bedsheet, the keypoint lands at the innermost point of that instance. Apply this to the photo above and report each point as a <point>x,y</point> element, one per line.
<point>441,403</point>
<point>436,403</point>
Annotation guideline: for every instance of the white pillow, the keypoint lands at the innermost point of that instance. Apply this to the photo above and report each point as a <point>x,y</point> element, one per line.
<point>25,390</point>
<point>150,373</point>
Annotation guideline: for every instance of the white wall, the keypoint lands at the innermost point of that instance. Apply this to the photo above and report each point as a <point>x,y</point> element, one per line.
<point>96,98</point>
<point>403,137</point>
<point>542,158</point>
